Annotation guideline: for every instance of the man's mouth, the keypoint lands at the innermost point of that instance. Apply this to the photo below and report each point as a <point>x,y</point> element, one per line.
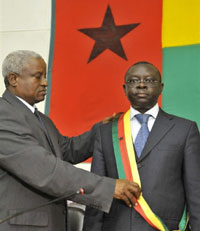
<point>44,92</point>
<point>141,94</point>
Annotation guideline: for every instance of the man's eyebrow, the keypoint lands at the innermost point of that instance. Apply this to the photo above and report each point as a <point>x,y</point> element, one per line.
<point>132,76</point>
<point>138,76</point>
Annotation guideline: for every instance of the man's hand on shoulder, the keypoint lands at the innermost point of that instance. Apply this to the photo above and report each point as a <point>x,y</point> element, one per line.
<point>127,191</point>
<point>111,118</point>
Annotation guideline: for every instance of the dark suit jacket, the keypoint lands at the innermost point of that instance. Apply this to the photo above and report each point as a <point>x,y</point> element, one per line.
<point>169,169</point>
<point>33,172</point>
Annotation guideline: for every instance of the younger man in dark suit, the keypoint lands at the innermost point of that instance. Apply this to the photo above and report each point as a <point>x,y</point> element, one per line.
<point>168,164</point>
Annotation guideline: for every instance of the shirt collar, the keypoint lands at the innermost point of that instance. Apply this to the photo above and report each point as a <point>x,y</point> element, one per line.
<point>32,108</point>
<point>153,111</point>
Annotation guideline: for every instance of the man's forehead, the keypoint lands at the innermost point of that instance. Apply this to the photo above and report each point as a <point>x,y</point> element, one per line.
<point>140,67</point>
<point>33,62</point>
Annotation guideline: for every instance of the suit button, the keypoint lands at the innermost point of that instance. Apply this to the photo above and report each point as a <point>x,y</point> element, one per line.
<point>139,165</point>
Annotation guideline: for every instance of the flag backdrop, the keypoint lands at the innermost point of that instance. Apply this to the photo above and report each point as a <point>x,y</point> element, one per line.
<point>93,42</point>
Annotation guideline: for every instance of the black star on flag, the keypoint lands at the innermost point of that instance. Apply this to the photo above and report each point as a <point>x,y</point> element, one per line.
<point>108,36</point>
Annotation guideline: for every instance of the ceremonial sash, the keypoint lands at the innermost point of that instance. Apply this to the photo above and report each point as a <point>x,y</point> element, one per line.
<point>127,168</point>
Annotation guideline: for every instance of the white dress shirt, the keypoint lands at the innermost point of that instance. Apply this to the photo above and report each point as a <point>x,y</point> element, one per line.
<point>135,124</point>
<point>32,108</point>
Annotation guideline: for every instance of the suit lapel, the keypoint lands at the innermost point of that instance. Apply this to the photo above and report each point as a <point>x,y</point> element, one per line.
<point>46,131</point>
<point>8,96</point>
<point>164,123</point>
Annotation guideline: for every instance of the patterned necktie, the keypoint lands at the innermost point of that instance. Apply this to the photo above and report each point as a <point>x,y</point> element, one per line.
<point>143,133</point>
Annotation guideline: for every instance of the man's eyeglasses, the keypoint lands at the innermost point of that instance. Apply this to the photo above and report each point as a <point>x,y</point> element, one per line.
<point>136,82</point>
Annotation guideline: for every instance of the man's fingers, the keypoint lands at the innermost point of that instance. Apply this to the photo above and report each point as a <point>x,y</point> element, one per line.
<point>126,200</point>
<point>127,191</point>
<point>132,189</point>
<point>111,118</point>
<point>131,198</point>
<point>135,189</point>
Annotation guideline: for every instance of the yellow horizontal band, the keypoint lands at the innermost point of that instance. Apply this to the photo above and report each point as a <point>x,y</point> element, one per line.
<point>180,23</point>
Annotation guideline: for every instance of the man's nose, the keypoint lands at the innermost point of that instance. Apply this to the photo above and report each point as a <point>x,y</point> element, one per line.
<point>44,82</point>
<point>142,84</point>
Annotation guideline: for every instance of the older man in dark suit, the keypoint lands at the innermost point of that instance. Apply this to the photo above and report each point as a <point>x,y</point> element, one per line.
<point>35,159</point>
<point>159,151</point>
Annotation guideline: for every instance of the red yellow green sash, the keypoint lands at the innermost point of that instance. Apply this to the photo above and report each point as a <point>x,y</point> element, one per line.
<point>127,168</point>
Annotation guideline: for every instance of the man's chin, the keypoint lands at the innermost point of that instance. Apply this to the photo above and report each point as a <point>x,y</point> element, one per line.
<point>142,106</point>
<point>141,102</point>
<point>40,99</point>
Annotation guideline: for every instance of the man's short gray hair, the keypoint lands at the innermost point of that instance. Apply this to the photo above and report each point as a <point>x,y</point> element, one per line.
<point>16,61</point>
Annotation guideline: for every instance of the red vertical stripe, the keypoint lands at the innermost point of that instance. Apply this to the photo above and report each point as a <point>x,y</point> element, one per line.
<point>123,149</point>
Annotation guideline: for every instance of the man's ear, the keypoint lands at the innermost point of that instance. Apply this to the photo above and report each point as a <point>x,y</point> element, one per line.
<point>162,86</point>
<point>12,79</point>
<point>124,87</point>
